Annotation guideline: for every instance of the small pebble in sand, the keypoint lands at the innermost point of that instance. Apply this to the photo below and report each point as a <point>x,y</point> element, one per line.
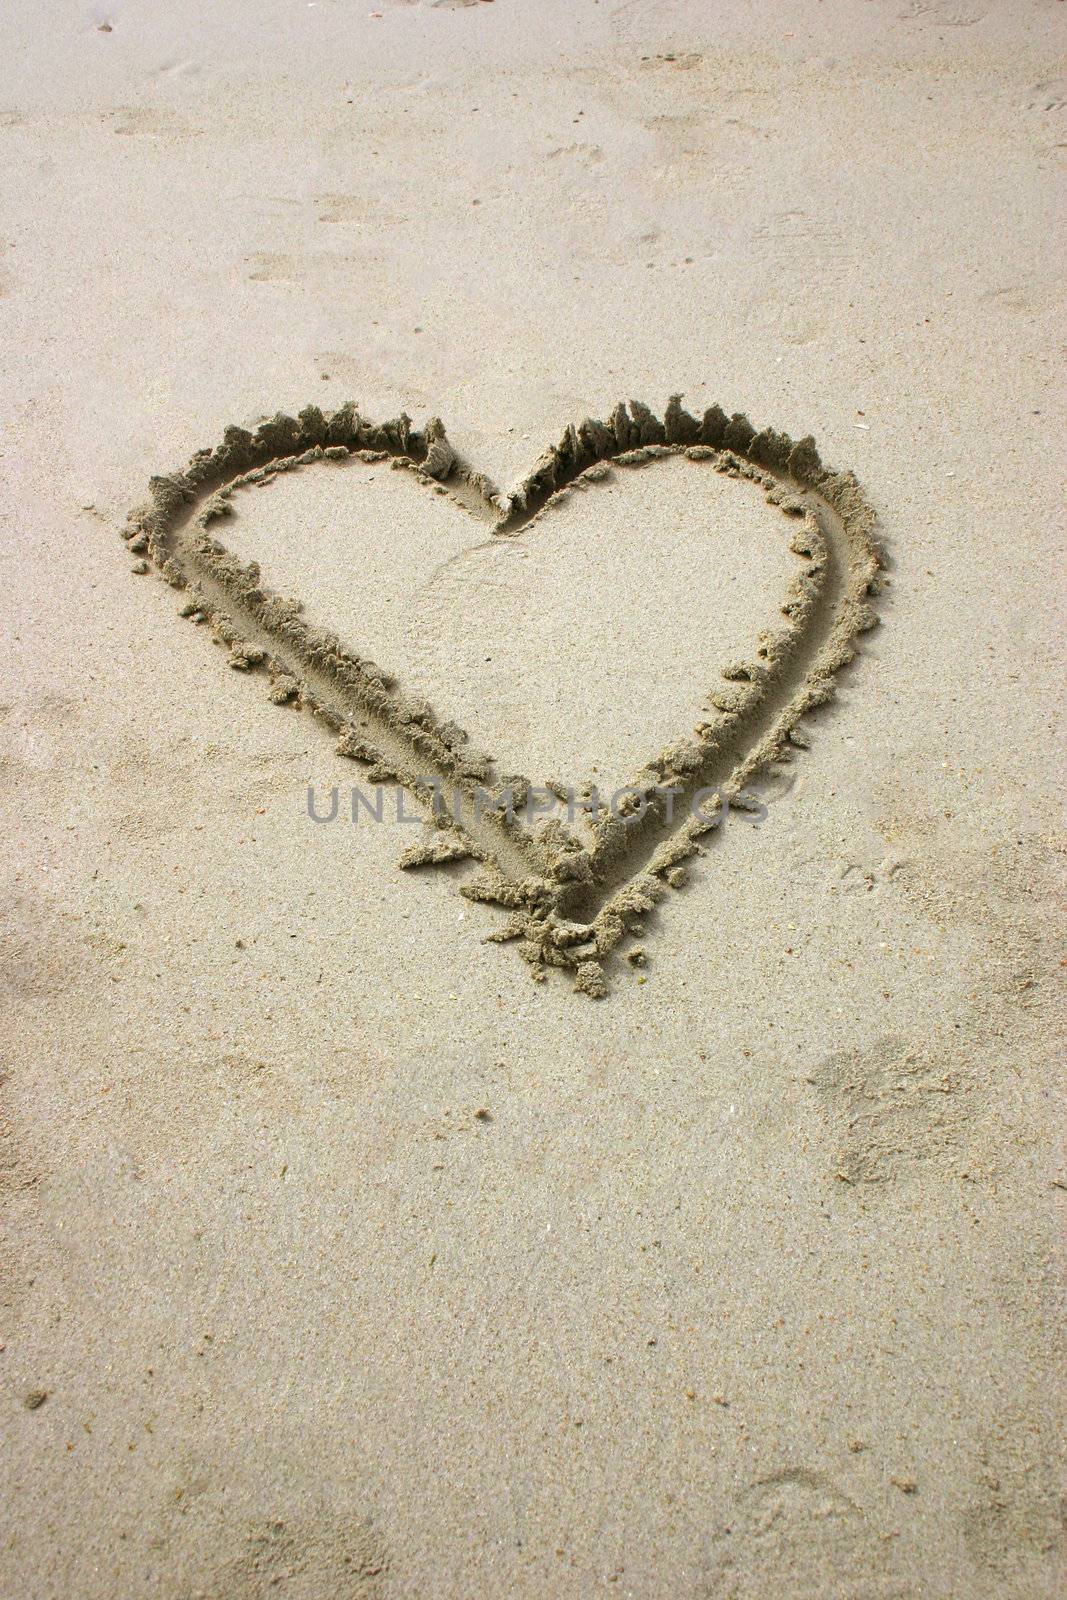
<point>35,1398</point>
<point>140,568</point>
<point>905,1485</point>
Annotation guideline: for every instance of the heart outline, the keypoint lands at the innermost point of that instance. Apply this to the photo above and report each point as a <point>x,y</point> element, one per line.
<point>571,902</point>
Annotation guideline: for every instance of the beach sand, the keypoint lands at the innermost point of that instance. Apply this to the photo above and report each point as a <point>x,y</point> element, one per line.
<point>340,1258</point>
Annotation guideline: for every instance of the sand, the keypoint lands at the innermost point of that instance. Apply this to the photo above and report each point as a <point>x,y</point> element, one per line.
<point>339,1257</point>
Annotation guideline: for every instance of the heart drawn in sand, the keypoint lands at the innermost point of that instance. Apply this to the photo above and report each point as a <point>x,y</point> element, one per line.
<point>571,894</point>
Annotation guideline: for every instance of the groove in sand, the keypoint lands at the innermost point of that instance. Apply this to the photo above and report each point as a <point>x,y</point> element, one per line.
<point>571,900</point>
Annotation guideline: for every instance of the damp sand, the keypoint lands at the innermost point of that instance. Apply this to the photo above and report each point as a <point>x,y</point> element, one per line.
<point>341,1256</point>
